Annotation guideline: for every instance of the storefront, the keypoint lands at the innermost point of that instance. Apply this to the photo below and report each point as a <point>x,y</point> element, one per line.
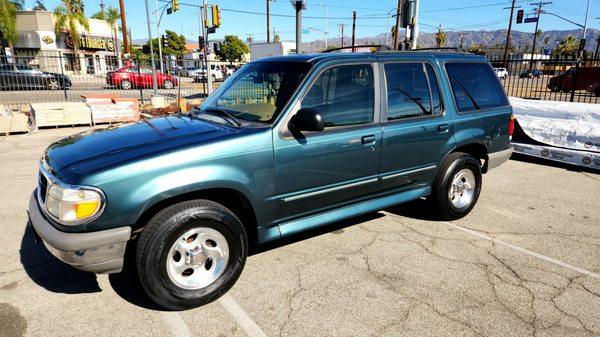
<point>38,45</point>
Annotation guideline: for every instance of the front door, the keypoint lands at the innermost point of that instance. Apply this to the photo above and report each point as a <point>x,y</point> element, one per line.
<point>317,171</point>
<point>417,133</point>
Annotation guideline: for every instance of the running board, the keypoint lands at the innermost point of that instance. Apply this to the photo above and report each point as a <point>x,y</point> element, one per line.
<point>335,215</point>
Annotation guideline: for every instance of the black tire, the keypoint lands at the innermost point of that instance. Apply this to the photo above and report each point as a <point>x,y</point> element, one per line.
<point>167,84</point>
<point>52,84</point>
<point>160,234</point>
<point>597,92</point>
<point>454,163</point>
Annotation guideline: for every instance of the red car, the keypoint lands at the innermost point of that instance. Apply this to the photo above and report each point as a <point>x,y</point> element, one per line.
<point>133,76</point>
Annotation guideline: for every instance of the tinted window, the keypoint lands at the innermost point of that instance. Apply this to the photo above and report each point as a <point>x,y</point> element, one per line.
<point>7,67</point>
<point>475,86</point>
<point>344,95</point>
<point>412,90</point>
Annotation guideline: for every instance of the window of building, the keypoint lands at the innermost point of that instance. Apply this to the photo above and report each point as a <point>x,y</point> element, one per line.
<point>412,90</point>
<point>475,86</point>
<point>344,95</point>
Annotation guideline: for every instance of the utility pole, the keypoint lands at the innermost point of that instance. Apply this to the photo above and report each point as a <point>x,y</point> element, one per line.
<point>353,29</point>
<point>414,33</point>
<point>160,57</point>
<point>537,24</point>
<point>587,11</point>
<point>151,49</point>
<point>299,5</point>
<point>326,27</point>
<point>461,40</point>
<point>342,34</point>
<point>512,11</point>
<point>268,22</point>
<point>205,35</point>
<point>397,28</point>
<point>124,27</point>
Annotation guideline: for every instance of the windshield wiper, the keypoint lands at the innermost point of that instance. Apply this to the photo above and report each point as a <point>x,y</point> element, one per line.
<point>416,100</point>
<point>225,115</point>
<point>466,92</point>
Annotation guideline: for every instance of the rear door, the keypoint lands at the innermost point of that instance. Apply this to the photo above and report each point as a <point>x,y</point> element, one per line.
<point>417,132</point>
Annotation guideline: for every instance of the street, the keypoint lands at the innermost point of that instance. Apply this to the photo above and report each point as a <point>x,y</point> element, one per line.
<point>525,262</point>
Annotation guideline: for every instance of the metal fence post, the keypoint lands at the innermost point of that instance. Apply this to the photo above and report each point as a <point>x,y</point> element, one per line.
<point>574,82</point>
<point>62,71</point>
<point>139,74</point>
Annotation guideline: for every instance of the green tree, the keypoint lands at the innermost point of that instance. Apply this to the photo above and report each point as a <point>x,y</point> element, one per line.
<point>111,15</point>
<point>276,38</point>
<point>440,37</point>
<point>176,45</point>
<point>69,16</point>
<point>232,49</point>
<point>568,46</point>
<point>38,5</point>
<point>8,21</point>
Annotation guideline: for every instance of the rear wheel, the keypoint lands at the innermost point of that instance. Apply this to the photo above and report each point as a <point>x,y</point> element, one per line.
<point>168,84</point>
<point>457,185</point>
<point>190,254</point>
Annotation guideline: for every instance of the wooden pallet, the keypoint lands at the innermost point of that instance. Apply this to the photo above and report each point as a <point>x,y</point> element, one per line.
<point>59,114</point>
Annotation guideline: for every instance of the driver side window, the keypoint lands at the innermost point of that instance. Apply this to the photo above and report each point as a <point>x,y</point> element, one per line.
<point>344,95</point>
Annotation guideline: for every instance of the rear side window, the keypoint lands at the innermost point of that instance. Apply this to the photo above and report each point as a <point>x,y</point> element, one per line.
<point>475,86</point>
<point>412,90</point>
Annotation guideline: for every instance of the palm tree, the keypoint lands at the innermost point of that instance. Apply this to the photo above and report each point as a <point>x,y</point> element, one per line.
<point>440,37</point>
<point>111,16</point>
<point>8,21</point>
<point>568,46</point>
<point>69,16</point>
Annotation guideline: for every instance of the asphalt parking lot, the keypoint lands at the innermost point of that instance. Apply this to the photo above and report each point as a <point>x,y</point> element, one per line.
<point>525,262</point>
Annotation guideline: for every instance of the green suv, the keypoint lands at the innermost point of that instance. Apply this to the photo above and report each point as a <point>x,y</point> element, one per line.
<point>286,144</point>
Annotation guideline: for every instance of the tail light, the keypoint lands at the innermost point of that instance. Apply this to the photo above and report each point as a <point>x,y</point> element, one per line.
<point>511,125</point>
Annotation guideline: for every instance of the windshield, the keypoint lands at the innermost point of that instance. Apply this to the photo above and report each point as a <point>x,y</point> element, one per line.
<point>259,90</point>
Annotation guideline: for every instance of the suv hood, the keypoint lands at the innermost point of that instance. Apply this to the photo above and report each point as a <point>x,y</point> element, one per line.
<point>97,149</point>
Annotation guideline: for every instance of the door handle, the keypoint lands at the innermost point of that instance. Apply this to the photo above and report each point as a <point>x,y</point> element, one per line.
<point>443,128</point>
<point>370,139</point>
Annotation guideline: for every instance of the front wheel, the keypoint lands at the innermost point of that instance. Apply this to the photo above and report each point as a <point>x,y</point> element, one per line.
<point>457,185</point>
<point>52,84</point>
<point>168,84</point>
<point>190,254</point>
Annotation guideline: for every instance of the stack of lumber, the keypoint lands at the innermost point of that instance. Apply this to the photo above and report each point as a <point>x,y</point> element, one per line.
<point>63,113</point>
<point>12,121</point>
<point>110,109</point>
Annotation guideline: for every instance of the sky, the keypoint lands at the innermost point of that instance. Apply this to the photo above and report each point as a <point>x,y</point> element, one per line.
<point>372,16</point>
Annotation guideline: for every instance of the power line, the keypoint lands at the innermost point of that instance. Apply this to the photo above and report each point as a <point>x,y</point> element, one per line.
<point>467,7</point>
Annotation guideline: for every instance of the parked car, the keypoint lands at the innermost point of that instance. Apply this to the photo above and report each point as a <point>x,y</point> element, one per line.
<point>575,79</point>
<point>22,77</point>
<point>535,73</point>
<point>191,72</point>
<point>594,89</point>
<point>290,143</point>
<point>501,72</point>
<point>215,73</point>
<point>133,76</point>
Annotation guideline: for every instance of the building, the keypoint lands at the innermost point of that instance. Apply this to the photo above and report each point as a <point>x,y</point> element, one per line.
<point>39,46</point>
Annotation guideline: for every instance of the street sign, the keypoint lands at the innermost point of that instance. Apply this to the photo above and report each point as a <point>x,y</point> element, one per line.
<point>530,20</point>
<point>305,31</point>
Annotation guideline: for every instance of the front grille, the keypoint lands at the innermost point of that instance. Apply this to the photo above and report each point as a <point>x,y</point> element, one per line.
<point>42,186</point>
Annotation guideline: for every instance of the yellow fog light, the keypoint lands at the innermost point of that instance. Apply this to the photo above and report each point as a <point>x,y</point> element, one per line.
<point>70,206</point>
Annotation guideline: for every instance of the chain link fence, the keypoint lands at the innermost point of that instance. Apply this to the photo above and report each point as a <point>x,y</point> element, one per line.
<point>66,77</point>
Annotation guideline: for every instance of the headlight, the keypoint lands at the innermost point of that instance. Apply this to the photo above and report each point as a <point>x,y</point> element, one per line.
<point>73,205</point>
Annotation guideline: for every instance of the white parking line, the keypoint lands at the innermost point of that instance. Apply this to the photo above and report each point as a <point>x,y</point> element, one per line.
<point>177,325</point>
<point>180,329</point>
<point>241,317</point>
<point>526,251</point>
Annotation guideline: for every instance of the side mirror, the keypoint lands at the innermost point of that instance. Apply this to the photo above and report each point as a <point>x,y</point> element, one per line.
<point>307,119</point>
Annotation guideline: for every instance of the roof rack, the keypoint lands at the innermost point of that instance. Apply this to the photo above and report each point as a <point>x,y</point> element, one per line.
<point>442,49</point>
<point>360,48</point>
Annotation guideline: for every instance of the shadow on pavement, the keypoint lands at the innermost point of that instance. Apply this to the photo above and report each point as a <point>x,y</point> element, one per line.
<point>49,272</point>
<point>419,209</point>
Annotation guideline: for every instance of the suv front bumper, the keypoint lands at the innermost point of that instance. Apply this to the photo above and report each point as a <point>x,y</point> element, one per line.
<point>99,252</point>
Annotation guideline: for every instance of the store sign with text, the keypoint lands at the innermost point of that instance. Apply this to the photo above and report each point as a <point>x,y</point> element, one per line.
<point>91,43</point>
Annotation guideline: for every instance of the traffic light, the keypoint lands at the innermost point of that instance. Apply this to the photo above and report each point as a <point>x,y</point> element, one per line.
<point>164,42</point>
<point>175,5</point>
<point>520,16</point>
<point>216,16</point>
